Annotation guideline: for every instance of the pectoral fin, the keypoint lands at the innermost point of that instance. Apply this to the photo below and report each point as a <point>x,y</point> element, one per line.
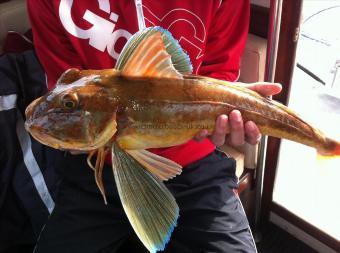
<point>162,167</point>
<point>149,206</point>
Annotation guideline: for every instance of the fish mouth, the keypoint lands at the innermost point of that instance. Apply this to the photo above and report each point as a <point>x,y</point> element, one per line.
<point>39,133</point>
<point>48,140</point>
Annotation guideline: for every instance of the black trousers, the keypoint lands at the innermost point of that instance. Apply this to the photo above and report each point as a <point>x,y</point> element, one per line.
<point>211,215</point>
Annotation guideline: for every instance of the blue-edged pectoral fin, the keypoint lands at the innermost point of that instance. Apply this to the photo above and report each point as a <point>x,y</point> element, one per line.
<point>149,205</point>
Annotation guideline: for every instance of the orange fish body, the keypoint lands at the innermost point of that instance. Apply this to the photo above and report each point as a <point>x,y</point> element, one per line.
<point>163,112</point>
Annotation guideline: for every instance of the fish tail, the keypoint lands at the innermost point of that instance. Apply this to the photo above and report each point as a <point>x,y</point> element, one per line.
<point>331,151</point>
<point>148,204</point>
<point>337,150</point>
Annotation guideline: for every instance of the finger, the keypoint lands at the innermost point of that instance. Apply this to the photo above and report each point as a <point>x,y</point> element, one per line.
<point>252,133</point>
<point>236,128</point>
<point>265,89</point>
<point>200,136</point>
<point>220,130</point>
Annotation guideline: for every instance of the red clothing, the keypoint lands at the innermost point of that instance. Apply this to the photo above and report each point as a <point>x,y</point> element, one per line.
<point>90,34</point>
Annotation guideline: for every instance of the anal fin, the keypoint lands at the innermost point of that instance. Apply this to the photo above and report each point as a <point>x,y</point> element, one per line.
<point>161,167</point>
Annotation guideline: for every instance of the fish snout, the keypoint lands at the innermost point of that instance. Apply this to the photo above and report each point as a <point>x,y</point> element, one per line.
<point>30,108</point>
<point>32,112</point>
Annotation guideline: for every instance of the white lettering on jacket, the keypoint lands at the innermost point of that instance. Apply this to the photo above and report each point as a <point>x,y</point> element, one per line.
<point>196,27</point>
<point>102,34</point>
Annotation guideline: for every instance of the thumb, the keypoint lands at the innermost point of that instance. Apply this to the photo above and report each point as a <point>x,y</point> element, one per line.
<point>264,89</point>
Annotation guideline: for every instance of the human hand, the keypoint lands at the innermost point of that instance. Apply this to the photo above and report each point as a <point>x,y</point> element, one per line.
<point>231,129</point>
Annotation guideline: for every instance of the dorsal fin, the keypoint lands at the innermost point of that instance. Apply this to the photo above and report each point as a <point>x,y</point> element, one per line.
<point>69,76</point>
<point>150,59</point>
<point>153,52</point>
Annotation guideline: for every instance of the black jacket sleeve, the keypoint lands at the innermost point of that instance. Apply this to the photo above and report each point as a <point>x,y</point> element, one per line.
<point>27,181</point>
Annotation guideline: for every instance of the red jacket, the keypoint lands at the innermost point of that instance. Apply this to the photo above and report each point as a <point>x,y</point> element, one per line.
<point>90,34</point>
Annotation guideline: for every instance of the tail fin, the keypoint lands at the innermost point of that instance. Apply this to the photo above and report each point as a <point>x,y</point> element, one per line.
<point>337,150</point>
<point>332,147</point>
<point>331,151</point>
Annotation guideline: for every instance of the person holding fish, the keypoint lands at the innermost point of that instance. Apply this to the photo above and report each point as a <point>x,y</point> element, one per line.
<point>75,36</point>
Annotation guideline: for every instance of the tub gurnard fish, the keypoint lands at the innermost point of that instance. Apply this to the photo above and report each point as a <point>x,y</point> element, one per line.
<point>150,100</point>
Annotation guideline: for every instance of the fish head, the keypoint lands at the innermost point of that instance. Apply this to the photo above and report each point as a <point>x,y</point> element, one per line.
<point>74,116</point>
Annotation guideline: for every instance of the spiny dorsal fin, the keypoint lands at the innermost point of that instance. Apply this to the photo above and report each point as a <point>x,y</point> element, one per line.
<point>69,76</point>
<point>153,52</point>
<point>161,167</point>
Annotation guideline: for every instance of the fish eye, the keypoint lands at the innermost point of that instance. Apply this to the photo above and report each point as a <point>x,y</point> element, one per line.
<point>69,104</point>
<point>69,101</point>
